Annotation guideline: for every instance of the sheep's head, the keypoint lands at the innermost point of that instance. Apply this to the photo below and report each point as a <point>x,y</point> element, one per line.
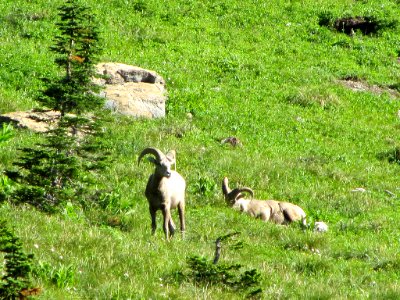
<point>163,162</point>
<point>231,196</point>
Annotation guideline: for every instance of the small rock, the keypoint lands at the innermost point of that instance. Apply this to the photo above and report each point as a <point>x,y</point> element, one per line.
<point>320,227</point>
<point>234,141</point>
<point>359,190</point>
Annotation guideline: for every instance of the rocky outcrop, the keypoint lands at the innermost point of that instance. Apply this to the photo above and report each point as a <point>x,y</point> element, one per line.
<point>35,120</point>
<point>132,91</point>
<point>128,90</point>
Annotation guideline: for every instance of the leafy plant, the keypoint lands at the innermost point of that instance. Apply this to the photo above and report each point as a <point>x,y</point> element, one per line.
<point>309,241</point>
<point>5,183</point>
<point>60,275</point>
<point>205,186</point>
<point>6,186</point>
<point>6,132</point>
<point>64,276</point>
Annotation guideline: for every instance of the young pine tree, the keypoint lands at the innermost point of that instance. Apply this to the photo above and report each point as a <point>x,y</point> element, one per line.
<point>77,49</point>
<point>15,279</point>
<point>58,169</point>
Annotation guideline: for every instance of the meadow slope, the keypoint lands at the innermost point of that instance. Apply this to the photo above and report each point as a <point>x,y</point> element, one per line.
<point>267,72</point>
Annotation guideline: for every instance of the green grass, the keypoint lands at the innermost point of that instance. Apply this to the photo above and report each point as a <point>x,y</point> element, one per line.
<point>263,72</point>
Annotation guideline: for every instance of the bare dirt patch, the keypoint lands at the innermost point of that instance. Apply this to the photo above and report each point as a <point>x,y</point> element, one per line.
<point>366,25</point>
<point>349,25</point>
<point>361,86</point>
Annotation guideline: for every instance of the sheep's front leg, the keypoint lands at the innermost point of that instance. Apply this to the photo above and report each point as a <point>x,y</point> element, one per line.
<point>167,218</point>
<point>153,220</point>
<point>266,214</point>
<point>181,211</point>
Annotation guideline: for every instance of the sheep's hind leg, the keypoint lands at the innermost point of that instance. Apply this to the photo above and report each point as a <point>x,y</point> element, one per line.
<point>289,217</point>
<point>171,227</point>
<point>181,211</point>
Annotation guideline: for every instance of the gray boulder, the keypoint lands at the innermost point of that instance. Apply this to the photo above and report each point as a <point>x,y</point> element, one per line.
<point>132,91</point>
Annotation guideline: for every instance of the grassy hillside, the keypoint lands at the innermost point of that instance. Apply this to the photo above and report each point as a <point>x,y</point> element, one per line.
<point>266,72</point>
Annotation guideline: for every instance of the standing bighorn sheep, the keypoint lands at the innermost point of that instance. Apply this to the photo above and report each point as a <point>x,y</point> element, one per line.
<point>268,210</point>
<point>165,190</point>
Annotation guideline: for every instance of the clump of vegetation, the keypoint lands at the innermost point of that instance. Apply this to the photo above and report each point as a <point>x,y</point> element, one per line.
<point>306,242</point>
<point>313,266</point>
<point>207,272</point>
<point>390,264</point>
<point>60,275</point>
<point>205,186</point>
<point>6,132</point>
<point>316,96</point>
<point>392,156</point>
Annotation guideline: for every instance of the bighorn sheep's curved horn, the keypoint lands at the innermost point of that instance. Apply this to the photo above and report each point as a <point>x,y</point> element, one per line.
<point>247,190</point>
<point>157,153</point>
<point>225,188</point>
<point>236,194</point>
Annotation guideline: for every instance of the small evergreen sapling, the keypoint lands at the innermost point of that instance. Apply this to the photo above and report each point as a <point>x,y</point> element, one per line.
<point>59,168</point>
<point>77,48</point>
<point>15,282</point>
<point>204,271</point>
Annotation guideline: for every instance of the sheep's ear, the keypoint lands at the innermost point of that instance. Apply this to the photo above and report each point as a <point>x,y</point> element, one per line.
<point>171,156</point>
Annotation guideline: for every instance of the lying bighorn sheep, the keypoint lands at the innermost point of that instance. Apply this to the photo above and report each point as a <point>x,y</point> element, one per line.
<point>268,210</point>
<point>165,190</point>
